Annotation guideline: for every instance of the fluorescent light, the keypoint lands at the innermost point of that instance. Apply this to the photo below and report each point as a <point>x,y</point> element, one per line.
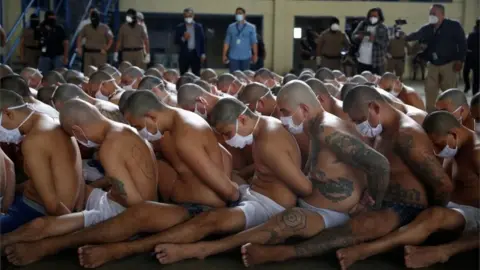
<point>297,33</point>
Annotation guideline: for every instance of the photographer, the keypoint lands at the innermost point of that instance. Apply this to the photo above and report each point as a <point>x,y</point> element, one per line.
<point>396,51</point>
<point>372,36</point>
<point>446,49</point>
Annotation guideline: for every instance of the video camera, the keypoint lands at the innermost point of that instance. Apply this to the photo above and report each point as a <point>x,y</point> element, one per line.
<point>397,26</point>
<point>399,22</point>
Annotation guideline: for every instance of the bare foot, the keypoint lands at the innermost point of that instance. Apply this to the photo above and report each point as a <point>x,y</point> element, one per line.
<point>29,232</point>
<point>253,254</point>
<point>418,257</point>
<point>95,256</point>
<point>171,253</point>
<point>348,256</point>
<point>24,253</point>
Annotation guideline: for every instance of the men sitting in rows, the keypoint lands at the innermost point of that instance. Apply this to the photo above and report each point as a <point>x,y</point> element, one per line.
<point>104,87</point>
<point>32,76</point>
<point>455,102</point>
<point>391,83</point>
<point>53,78</point>
<point>131,78</point>
<point>157,86</point>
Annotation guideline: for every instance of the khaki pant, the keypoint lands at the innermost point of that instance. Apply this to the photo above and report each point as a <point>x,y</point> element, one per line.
<point>93,59</point>
<point>438,77</point>
<point>396,66</point>
<point>135,57</point>
<point>331,63</point>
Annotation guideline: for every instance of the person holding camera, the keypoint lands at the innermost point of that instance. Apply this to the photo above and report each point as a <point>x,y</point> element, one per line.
<point>445,52</point>
<point>396,54</point>
<point>372,37</point>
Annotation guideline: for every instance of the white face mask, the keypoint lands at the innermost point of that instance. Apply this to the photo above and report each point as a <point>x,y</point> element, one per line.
<point>149,136</point>
<point>88,144</point>
<point>460,119</point>
<point>99,94</point>
<point>12,135</point>
<point>239,17</point>
<point>230,89</point>
<point>203,115</point>
<point>373,20</point>
<point>129,19</point>
<point>239,141</point>
<point>288,122</point>
<point>432,19</point>
<point>447,152</point>
<point>368,131</point>
<point>130,87</point>
<point>189,20</point>
<point>335,27</point>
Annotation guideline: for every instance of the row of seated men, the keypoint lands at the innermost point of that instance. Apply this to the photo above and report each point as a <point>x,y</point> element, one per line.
<point>352,165</point>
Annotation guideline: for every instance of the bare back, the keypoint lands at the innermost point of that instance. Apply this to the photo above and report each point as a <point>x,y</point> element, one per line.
<point>337,185</point>
<point>51,157</point>
<point>410,97</point>
<point>466,175</point>
<point>110,111</point>
<point>130,165</point>
<point>415,113</point>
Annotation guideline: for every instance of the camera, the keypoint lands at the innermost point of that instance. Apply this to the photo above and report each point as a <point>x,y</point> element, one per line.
<point>400,22</point>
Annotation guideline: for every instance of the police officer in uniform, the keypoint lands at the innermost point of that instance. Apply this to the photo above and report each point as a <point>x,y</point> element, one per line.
<point>132,40</point>
<point>99,39</point>
<point>396,54</point>
<point>330,45</point>
<point>30,47</point>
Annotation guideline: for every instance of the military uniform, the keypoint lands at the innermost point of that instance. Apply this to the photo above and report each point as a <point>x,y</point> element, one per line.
<point>329,47</point>
<point>31,50</point>
<point>131,44</point>
<point>396,56</point>
<point>96,40</point>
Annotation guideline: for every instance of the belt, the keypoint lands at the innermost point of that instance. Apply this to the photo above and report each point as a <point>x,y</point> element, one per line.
<point>131,49</point>
<point>35,48</point>
<point>398,57</point>
<point>332,57</point>
<point>92,50</point>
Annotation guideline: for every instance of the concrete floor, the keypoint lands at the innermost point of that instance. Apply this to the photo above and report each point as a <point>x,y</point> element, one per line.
<point>232,261</point>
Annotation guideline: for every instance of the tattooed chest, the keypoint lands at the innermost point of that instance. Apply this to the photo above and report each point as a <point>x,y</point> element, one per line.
<point>334,189</point>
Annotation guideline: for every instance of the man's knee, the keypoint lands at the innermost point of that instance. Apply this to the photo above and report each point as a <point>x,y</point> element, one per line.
<point>374,224</point>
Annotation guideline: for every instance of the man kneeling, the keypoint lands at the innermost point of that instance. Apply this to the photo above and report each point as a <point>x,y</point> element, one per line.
<point>131,170</point>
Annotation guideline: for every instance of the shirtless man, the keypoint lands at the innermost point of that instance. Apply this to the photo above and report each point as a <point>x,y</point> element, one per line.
<point>157,86</point>
<point>455,102</point>
<point>335,169</point>
<point>104,87</point>
<point>229,84</point>
<point>391,83</point>
<point>208,75</point>
<point>124,65</point>
<point>53,78</point>
<point>131,78</point>
<point>32,76</point>
<point>455,143</point>
<point>329,103</point>
<point>345,89</point>
<point>260,99</point>
<point>339,76</point>
<point>277,182</point>
<point>324,74</point>
<point>265,77</point>
<point>114,72</point>
<point>68,92</point>
<point>193,98</point>
<point>7,182</point>
<point>18,85</point>
<point>475,110</point>
<point>333,89</point>
<point>51,161</point>
<point>373,78</point>
<point>414,169</point>
<point>359,79</point>
<point>171,75</point>
<point>131,169</point>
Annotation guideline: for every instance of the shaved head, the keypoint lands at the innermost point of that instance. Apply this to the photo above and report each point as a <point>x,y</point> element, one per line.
<point>324,74</point>
<point>99,77</point>
<point>68,91</point>
<point>154,72</point>
<point>113,71</point>
<point>61,70</point>
<point>188,94</point>
<point>369,75</point>
<point>123,100</point>
<point>124,65</point>
<point>264,74</point>
<point>227,110</point>
<point>149,82</point>
<point>225,80</point>
<point>387,80</point>
<point>73,74</point>
<point>346,88</point>
<point>141,102</point>
<point>318,87</point>
<point>252,93</point>
<point>5,70</point>
<point>208,74</point>
<point>475,101</point>
<point>358,79</point>
<point>53,78</point>
<point>9,99</point>
<point>456,97</point>
<point>337,73</point>
<point>29,72</point>
<point>45,94</point>
<point>332,89</point>
<point>203,84</point>
<point>185,80</point>
<point>90,70</point>
<point>305,77</point>
<point>440,123</point>
<point>171,75</point>
<point>288,78</point>
<point>297,92</point>
<point>360,96</point>
<point>159,67</point>
<point>77,112</point>
<point>16,84</point>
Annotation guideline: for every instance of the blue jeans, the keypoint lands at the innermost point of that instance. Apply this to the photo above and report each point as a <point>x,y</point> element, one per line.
<point>45,64</point>
<point>241,65</point>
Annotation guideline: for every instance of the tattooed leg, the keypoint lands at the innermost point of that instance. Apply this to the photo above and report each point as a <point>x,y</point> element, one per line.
<point>292,222</point>
<point>361,228</point>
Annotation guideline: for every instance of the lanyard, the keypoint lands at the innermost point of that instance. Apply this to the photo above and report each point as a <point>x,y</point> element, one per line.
<point>239,32</point>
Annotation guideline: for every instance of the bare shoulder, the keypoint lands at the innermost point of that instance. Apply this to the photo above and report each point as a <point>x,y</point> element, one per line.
<point>411,137</point>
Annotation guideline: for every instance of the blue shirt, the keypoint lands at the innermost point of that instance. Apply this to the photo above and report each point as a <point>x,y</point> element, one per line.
<point>240,38</point>
<point>445,44</point>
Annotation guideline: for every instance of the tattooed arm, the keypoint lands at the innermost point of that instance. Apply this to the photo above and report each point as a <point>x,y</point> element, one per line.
<point>416,151</point>
<point>356,153</point>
